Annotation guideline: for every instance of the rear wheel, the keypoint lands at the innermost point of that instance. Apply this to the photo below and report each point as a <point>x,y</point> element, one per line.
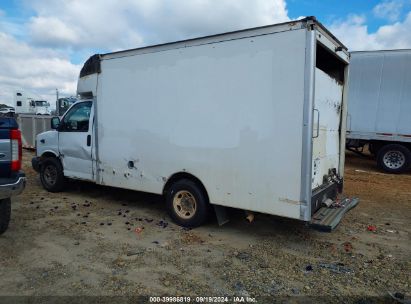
<point>51,175</point>
<point>5,211</point>
<point>187,203</point>
<point>394,158</point>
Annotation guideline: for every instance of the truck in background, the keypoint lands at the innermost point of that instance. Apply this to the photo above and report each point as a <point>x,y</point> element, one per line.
<point>252,119</point>
<point>31,125</point>
<point>63,104</point>
<point>12,179</point>
<point>7,111</point>
<point>379,107</point>
<point>29,103</point>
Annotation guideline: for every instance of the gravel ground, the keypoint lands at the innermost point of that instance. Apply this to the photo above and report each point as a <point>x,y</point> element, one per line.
<point>97,241</point>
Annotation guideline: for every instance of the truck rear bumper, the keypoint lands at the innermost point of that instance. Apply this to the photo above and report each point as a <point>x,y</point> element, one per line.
<point>327,218</point>
<point>13,188</point>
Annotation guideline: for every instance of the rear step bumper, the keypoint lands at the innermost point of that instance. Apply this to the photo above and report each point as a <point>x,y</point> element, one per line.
<point>14,187</point>
<point>327,218</point>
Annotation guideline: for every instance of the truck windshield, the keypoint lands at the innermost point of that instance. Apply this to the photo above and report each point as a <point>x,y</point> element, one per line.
<point>41,103</point>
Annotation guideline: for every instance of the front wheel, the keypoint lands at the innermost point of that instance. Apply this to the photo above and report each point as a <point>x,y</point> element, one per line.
<point>394,158</point>
<point>51,175</point>
<point>5,211</point>
<point>187,203</point>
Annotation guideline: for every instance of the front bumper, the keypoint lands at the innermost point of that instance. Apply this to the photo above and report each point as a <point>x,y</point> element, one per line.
<point>35,163</point>
<point>13,187</point>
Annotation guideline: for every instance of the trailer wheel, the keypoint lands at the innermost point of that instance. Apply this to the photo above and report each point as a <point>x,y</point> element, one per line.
<point>51,175</point>
<point>5,211</point>
<point>187,203</point>
<point>394,158</point>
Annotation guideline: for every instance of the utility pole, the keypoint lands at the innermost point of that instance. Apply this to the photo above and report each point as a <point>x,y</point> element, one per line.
<point>57,102</point>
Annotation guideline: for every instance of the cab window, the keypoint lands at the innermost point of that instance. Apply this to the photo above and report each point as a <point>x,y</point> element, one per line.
<point>77,119</point>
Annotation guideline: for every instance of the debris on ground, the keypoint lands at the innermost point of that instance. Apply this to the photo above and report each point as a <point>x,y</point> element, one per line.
<point>162,224</point>
<point>336,267</point>
<point>190,238</point>
<point>348,247</point>
<point>372,228</point>
<point>135,252</point>
<point>138,230</point>
<point>242,255</point>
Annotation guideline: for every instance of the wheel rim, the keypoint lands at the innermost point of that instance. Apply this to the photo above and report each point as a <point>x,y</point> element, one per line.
<point>394,159</point>
<point>185,205</point>
<point>50,175</point>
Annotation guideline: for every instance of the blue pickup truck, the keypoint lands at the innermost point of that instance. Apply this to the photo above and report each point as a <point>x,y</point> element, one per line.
<point>12,179</point>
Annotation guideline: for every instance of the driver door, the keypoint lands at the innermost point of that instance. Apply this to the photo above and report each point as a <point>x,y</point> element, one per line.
<point>75,136</point>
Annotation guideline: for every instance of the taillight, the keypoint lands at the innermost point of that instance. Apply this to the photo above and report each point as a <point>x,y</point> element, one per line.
<point>16,150</point>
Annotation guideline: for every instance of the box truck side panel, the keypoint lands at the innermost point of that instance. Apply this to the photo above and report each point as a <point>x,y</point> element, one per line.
<point>229,113</point>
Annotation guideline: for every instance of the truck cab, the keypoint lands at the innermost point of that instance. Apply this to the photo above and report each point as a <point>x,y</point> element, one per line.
<point>29,103</point>
<point>66,150</point>
<point>12,179</point>
<point>41,107</point>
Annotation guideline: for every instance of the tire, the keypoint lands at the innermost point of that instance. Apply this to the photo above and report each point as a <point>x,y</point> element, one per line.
<point>394,158</point>
<point>372,148</point>
<point>51,175</point>
<point>5,212</point>
<point>187,204</point>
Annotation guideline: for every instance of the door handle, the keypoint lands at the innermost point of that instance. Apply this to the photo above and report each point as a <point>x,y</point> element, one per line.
<point>88,140</point>
<point>2,155</point>
<point>318,124</point>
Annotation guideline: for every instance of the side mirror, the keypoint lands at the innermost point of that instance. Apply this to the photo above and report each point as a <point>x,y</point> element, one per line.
<point>55,123</point>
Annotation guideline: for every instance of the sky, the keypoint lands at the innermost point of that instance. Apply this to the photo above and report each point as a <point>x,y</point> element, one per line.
<point>43,43</point>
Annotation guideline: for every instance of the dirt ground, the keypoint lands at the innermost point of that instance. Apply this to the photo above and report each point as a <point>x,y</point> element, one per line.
<point>94,240</point>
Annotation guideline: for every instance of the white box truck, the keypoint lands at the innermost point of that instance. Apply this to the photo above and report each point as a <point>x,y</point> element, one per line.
<point>379,107</point>
<point>252,119</point>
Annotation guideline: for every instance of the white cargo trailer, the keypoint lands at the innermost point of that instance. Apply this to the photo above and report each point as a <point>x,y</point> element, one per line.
<point>379,107</point>
<point>253,119</point>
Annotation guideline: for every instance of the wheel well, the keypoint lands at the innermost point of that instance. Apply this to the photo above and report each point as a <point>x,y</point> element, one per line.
<point>184,175</point>
<point>48,154</point>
